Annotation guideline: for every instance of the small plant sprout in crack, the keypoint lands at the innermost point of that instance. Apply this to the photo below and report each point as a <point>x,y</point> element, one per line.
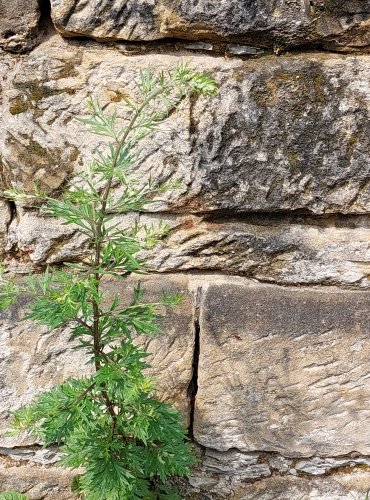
<point>126,440</point>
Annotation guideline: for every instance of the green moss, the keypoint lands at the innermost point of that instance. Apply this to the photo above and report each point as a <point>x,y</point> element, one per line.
<point>30,157</point>
<point>294,161</point>
<point>37,149</point>
<point>18,105</point>
<point>31,94</point>
<point>68,70</point>
<point>75,153</point>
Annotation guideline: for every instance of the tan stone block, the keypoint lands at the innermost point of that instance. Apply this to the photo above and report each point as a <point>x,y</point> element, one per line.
<point>283,133</point>
<point>283,369</point>
<point>18,24</point>
<point>37,482</point>
<point>262,23</point>
<point>344,486</point>
<point>33,359</point>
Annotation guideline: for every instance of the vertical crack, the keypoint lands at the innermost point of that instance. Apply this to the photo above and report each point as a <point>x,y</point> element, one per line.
<point>45,9</point>
<point>193,385</point>
<point>12,216</point>
<point>46,25</point>
<point>13,212</point>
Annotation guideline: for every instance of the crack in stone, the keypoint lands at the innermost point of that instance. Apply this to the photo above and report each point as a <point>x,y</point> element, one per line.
<point>13,213</point>
<point>193,384</point>
<point>45,11</point>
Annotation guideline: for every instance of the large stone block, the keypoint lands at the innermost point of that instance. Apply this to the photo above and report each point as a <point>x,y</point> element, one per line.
<point>171,354</point>
<point>37,482</point>
<point>283,369</point>
<point>287,133</point>
<point>18,24</point>
<point>279,249</point>
<point>270,24</point>
<point>344,486</point>
<point>34,360</point>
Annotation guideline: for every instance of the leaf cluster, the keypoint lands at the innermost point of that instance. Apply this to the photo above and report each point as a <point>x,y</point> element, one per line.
<point>111,424</point>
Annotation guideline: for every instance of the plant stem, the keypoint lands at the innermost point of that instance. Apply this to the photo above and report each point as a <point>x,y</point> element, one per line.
<point>98,239</point>
<point>98,223</point>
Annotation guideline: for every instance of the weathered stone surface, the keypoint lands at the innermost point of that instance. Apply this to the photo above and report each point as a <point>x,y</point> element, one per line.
<point>283,370</point>
<point>350,486</point>
<point>18,24</point>
<point>288,133</point>
<point>33,238</point>
<point>172,354</point>
<point>235,463</point>
<point>280,249</point>
<point>319,466</point>
<point>37,482</point>
<point>33,360</point>
<point>271,24</point>
<point>34,471</point>
<point>5,217</point>
<point>225,474</point>
<point>31,454</point>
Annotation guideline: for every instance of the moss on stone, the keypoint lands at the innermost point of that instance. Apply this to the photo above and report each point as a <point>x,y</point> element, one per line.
<point>31,93</point>
<point>18,105</point>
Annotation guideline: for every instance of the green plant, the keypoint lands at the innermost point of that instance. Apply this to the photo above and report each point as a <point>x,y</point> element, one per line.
<point>12,495</point>
<point>127,441</point>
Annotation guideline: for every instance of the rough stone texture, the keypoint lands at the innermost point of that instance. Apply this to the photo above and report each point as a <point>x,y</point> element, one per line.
<point>37,482</point>
<point>225,475</point>
<point>350,486</point>
<point>288,133</point>
<point>37,239</point>
<point>41,359</point>
<point>283,370</point>
<point>18,24</point>
<point>5,217</point>
<point>319,466</point>
<point>32,454</point>
<point>172,353</point>
<point>281,249</point>
<point>32,360</point>
<point>265,23</point>
<point>53,483</point>
<point>227,472</point>
<point>275,187</point>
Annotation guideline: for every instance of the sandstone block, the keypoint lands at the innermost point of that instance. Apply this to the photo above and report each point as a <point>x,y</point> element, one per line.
<point>344,486</point>
<point>263,23</point>
<point>283,369</point>
<point>287,133</point>
<point>18,24</point>
<point>286,250</point>
<point>34,360</point>
<point>48,483</point>
<point>36,239</point>
<point>279,249</point>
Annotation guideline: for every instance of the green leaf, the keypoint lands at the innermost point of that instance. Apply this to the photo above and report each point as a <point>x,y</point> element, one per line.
<point>12,495</point>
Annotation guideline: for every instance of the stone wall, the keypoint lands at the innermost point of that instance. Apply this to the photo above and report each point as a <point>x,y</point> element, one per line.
<point>268,356</point>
